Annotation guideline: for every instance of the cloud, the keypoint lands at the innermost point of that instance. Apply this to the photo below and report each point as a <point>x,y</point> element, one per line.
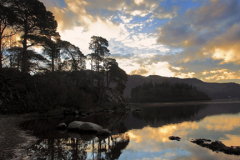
<point>84,12</point>
<point>211,31</point>
<point>138,2</point>
<point>80,37</point>
<point>208,32</point>
<point>220,74</point>
<point>140,71</point>
<point>185,75</point>
<point>226,47</point>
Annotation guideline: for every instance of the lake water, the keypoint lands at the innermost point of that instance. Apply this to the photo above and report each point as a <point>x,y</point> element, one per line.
<point>144,134</point>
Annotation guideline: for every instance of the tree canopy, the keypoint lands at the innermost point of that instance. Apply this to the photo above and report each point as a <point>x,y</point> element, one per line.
<point>166,92</point>
<point>99,47</point>
<point>34,21</point>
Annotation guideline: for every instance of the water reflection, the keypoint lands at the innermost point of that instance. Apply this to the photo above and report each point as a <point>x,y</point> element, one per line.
<point>77,148</point>
<point>143,135</point>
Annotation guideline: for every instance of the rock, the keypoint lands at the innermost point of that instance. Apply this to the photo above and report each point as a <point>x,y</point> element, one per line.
<point>89,127</point>
<point>83,115</point>
<point>200,141</point>
<point>76,113</point>
<point>217,146</point>
<point>138,109</point>
<point>109,111</point>
<point>174,138</point>
<point>75,125</point>
<point>103,132</point>
<point>67,112</point>
<point>87,137</point>
<point>62,126</point>
<point>74,134</point>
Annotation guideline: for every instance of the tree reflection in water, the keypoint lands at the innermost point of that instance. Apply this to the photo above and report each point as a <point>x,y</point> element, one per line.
<point>82,147</point>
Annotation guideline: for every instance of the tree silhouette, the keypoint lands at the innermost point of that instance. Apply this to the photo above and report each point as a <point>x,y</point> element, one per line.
<point>72,52</point>
<point>52,47</point>
<point>166,92</point>
<point>115,74</point>
<point>34,59</point>
<point>34,21</point>
<point>7,19</point>
<point>99,47</point>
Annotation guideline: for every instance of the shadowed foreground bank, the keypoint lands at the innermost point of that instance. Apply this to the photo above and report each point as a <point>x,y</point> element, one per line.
<point>13,141</point>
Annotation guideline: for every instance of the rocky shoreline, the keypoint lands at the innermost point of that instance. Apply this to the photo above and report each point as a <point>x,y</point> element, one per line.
<point>14,141</point>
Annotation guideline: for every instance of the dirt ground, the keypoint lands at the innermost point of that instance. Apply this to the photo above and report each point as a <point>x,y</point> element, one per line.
<point>13,141</point>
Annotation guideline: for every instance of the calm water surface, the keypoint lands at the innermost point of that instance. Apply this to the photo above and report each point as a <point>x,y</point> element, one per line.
<point>144,134</point>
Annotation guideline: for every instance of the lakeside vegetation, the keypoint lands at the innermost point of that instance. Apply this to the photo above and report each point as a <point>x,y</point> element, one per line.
<point>77,90</point>
<point>166,92</point>
<point>55,76</point>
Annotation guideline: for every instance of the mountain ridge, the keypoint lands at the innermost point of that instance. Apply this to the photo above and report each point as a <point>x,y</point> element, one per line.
<point>212,89</point>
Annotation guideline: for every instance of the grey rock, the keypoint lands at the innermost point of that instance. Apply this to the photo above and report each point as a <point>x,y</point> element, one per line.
<point>83,115</point>
<point>217,146</point>
<point>109,111</point>
<point>74,134</point>
<point>103,132</point>
<point>87,137</point>
<point>75,125</point>
<point>62,126</point>
<point>89,127</point>
<point>138,109</point>
<point>174,138</point>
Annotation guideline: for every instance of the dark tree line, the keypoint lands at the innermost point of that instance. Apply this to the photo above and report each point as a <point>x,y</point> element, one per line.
<point>166,92</point>
<point>57,76</point>
<point>36,27</point>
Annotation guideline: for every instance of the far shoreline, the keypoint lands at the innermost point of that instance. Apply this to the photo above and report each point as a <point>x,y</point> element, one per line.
<point>163,104</point>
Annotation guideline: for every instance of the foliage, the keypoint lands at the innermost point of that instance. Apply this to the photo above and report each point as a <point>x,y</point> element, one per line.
<point>34,59</point>
<point>33,22</point>
<point>74,55</point>
<point>69,84</point>
<point>99,47</point>
<point>115,75</point>
<point>7,19</point>
<point>21,93</point>
<point>166,92</point>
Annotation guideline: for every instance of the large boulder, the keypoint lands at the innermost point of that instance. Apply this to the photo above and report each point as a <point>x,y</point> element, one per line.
<point>85,137</point>
<point>89,127</point>
<point>103,132</point>
<point>62,127</point>
<point>75,125</point>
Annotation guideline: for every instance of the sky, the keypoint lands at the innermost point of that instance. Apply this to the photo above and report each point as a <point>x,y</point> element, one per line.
<point>171,38</point>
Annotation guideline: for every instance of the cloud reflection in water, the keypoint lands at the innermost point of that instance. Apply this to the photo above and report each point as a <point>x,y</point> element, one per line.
<point>153,143</point>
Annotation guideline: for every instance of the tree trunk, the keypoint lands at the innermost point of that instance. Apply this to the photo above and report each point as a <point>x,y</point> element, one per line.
<point>1,56</point>
<point>52,62</point>
<point>24,53</point>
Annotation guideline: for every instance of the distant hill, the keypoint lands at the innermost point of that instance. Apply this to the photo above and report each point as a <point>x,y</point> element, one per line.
<point>213,90</point>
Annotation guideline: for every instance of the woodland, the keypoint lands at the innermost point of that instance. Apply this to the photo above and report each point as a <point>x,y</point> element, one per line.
<point>32,81</point>
<point>166,92</point>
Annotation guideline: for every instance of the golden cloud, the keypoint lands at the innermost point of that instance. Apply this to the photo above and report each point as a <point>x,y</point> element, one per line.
<point>212,31</point>
<point>220,74</point>
<point>139,72</point>
<point>226,47</point>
